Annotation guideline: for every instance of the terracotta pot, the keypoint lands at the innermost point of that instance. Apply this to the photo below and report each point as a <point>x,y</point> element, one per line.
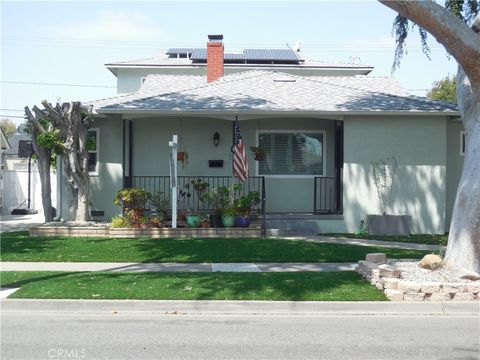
<point>181,156</point>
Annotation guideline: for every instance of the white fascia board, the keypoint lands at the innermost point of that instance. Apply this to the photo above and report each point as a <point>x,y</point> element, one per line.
<point>296,113</point>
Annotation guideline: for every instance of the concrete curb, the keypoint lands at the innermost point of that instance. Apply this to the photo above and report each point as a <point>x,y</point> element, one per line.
<point>264,308</point>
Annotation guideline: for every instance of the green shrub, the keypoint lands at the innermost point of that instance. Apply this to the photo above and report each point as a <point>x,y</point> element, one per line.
<point>118,222</point>
<point>132,198</point>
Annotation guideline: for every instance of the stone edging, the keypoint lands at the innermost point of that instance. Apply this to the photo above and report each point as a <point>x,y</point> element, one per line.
<point>105,231</point>
<point>387,278</point>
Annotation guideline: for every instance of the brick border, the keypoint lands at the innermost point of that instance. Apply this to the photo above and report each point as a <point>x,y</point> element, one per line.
<point>385,277</point>
<point>105,231</point>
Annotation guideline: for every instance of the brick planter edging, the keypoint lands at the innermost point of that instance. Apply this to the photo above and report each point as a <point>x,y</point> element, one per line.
<point>387,278</point>
<point>105,231</point>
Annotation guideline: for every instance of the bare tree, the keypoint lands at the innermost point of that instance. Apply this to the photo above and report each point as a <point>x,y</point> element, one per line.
<point>463,43</point>
<point>67,131</point>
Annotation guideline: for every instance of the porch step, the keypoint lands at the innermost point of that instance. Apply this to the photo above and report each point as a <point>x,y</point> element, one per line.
<point>294,224</point>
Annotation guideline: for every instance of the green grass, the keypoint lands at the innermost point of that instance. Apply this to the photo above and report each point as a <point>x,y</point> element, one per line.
<point>297,286</point>
<point>416,239</point>
<point>18,246</point>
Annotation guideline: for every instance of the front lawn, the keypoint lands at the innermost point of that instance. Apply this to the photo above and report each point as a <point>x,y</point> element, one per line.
<point>294,286</point>
<point>18,246</point>
<point>414,239</point>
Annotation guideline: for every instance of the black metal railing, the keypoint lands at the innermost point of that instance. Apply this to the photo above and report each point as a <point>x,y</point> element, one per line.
<point>327,196</point>
<point>161,184</point>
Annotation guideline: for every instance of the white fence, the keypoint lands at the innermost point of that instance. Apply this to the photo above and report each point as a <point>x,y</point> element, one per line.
<point>14,190</point>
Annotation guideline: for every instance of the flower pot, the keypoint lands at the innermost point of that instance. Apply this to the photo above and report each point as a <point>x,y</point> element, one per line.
<point>216,220</point>
<point>193,220</point>
<point>181,156</point>
<point>242,221</point>
<point>228,221</point>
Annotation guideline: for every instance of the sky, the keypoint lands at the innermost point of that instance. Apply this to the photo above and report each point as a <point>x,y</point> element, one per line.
<point>64,43</point>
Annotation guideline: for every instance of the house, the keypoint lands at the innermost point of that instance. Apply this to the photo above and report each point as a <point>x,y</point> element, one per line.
<point>321,128</point>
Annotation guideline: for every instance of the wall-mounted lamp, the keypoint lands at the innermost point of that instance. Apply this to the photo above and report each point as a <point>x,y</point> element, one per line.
<point>216,138</point>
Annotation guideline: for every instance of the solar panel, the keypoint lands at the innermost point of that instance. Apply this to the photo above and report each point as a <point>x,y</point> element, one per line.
<point>270,55</point>
<point>199,54</point>
<point>237,56</point>
<point>178,51</point>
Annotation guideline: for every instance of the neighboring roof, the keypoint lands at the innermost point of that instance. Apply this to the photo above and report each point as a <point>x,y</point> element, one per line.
<point>270,91</point>
<point>4,141</point>
<point>14,140</point>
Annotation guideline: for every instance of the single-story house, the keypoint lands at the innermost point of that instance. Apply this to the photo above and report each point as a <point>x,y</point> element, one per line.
<point>320,132</point>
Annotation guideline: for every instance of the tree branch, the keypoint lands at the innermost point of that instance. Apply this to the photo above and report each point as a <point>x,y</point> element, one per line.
<point>458,39</point>
<point>34,121</point>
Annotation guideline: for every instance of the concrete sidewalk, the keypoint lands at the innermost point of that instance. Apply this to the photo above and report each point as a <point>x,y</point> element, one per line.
<point>273,308</point>
<point>174,267</point>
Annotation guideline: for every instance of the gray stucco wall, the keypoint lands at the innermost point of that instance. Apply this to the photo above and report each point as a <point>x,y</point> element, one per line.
<point>454,166</point>
<point>419,145</point>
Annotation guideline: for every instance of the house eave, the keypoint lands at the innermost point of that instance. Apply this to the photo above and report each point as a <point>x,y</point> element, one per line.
<point>153,112</point>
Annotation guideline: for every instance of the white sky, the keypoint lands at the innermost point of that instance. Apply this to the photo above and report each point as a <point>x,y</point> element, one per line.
<point>67,42</point>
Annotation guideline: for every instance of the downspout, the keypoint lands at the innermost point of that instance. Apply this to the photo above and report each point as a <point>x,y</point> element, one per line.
<point>58,216</point>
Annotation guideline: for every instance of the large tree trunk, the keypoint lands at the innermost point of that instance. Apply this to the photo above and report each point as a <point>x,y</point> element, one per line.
<point>463,43</point>
<point>463,248</point>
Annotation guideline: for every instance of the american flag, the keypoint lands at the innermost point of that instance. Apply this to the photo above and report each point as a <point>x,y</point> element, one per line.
<point>240,165</point>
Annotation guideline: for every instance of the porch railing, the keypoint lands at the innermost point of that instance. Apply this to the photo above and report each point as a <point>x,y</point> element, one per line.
<point>161,184</point>
<point>327,196</point>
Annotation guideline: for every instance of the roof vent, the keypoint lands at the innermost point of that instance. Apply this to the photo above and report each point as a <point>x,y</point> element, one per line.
<point>285,80</point>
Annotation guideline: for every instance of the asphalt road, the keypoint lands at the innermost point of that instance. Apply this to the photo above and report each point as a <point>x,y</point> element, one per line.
<point>70,334</point>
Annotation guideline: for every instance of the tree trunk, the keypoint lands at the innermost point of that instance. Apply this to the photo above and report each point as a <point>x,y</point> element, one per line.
<point>43,158</point>
<point>82,196</point>
<point>463,248</point>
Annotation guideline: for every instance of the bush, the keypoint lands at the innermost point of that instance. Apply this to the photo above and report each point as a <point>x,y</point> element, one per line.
<point>132,198</point>
<point>118,222</point>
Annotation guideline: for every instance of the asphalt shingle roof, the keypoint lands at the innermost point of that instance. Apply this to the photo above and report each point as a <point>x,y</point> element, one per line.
<point>266,91</point>
<point>14,140</point>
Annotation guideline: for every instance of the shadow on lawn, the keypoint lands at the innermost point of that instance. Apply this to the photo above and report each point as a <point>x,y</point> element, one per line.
<point>19,242</point>
<point>258,250</point>
<point>15,283</point>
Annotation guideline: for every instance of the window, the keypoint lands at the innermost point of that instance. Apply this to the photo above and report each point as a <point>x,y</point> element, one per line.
<point>92,146</point>
<point>292,153</point>
<point>463,139</point>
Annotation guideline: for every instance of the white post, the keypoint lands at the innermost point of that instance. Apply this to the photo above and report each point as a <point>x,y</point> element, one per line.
<point>173,178</point>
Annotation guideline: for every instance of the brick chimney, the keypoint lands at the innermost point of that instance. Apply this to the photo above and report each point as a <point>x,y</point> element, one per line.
<point>214,57</point>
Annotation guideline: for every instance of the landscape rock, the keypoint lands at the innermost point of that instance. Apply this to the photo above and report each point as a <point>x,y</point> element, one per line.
<point>408,286</point>
<point>376,258</point>
<point>431,262</point>
<point>413,296</point>
<point>469,275</point>
<point>389,271</point>
<point>394,295</point>
<point>464,297</point>
<point>390,283</point>
<point>438,297</point>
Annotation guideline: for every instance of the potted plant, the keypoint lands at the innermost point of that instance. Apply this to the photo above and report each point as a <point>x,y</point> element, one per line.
<point>183,198</point>
<point>193,219</point>
<point>243,208</point>
<point>144,222</point>
<point>228,216</point>
<point>156,222</point>
<point>216,199</point>
<point>205,222</point>
<point>133,201</point>
<point>161,204</point>
<point>258,153</point>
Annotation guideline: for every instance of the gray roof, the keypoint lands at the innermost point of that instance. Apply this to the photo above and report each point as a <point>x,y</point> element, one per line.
<point>271,91</point>
<point>14,140</point>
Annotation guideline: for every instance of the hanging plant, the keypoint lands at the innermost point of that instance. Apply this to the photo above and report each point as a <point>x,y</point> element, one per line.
<point>258,153</point>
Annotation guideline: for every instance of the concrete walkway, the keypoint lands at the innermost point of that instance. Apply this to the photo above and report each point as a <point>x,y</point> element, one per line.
<point>20,222</point>
<point>363,242</point>
<point>175,267</point>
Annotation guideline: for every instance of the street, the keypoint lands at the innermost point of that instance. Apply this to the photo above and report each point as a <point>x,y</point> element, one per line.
<point>122,334</point>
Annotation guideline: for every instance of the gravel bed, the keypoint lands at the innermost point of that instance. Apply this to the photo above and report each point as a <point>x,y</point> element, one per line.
<point>410,271</point>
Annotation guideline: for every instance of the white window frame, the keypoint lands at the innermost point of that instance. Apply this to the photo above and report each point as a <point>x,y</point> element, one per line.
<point>463,142</point>
<point>269,131</point>
<point>97,151</point>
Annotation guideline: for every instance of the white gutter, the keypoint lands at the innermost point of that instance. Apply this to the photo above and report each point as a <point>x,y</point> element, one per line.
<point>152,112</point>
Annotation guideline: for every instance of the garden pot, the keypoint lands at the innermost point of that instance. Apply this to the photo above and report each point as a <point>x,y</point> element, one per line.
<point>242,221</point>
<point>216,221</point>
<point>193,220</point>
<point>228,221</point>
<point>181,156</point>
